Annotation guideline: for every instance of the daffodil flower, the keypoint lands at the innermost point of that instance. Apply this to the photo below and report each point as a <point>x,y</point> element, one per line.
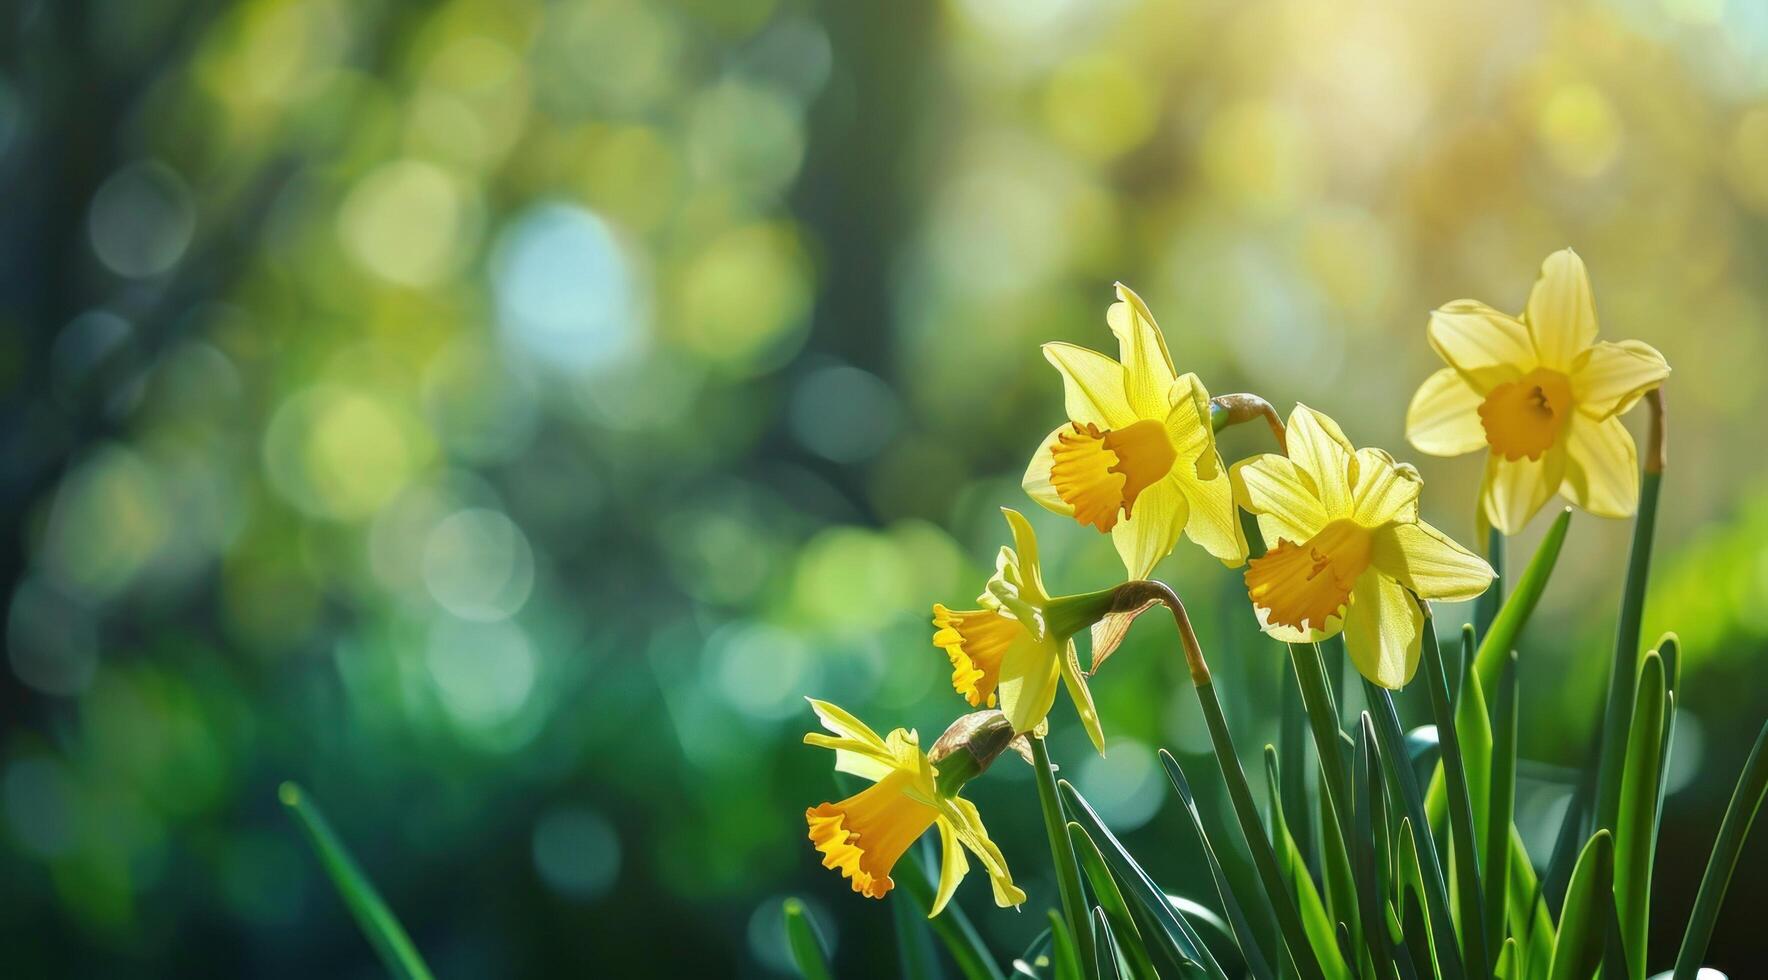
<point>1346,548</point>
<point>865,835</point>
<point>1021,641</point>
<point>1543,394</point>
<point>1137,456</point>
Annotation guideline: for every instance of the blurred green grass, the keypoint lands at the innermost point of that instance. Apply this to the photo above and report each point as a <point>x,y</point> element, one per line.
<point>496,415</point>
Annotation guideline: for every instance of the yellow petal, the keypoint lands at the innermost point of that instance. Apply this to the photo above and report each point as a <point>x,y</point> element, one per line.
<point>839,721</point>
<point>855,757</point>
<point>1037,475</point>
<point>1029,672</point>
<point>966,824</point>
<point>1025,546</point>
<point>1485,346</point>
<point>1076,682</point>
<point>1602,467</point>
<point>1188,426</point>
<point>1443,419</point>
<point>1148,368</point>
<point>1283,499</point>
<point>1150,534</point>
<point>1092,386</point>
<point>1213,522</point>
<point>1385,491</point>
<point>1608,378</point>
<point>1381,630</point>
<point>1513,490</point>
<point>1323,455</point>
<point>1562,311</point>
<point>1426,561</point>
<point>953,866</point>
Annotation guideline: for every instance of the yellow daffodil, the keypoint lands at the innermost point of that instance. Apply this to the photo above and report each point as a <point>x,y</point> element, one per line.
<point>864,835</point>
<point>1345,548</point>
<point>1543,394</point>
<point>1137,456</point>
<point>1021,641</point>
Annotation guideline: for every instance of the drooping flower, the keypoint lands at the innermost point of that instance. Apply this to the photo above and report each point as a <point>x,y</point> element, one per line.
<point>1542,394</point>
<point>1346,547</point>
<point>1021,642</point>
<point>865,835</point>
<point>1137,456</point>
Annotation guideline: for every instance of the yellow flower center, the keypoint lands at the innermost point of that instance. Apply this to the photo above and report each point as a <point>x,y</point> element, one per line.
<point>1303,585</point>
<point>1100,472</point>
<point>975,642</point>
<point>865,834</point>
<point>1525,417</point>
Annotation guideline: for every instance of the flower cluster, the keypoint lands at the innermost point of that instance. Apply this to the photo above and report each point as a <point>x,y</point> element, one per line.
<point>1344,551</point>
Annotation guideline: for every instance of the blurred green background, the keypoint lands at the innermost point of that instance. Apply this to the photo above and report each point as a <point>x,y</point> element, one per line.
<point>497,414</point>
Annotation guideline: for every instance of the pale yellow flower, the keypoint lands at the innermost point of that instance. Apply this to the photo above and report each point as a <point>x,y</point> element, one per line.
<point>865,835</point>
<point>1137,456</point>
<point>1009,649</point>
<point>1347,549</point>
<point>1542,394</point>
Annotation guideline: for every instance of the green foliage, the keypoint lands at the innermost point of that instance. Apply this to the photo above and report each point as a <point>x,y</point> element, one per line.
<point>806,946</point>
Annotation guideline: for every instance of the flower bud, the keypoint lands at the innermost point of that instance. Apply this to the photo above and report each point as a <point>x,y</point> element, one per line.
<point>969,747</point>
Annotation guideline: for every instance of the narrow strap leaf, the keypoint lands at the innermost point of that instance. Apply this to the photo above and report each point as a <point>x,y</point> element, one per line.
<point>806,947</point>
<point>1117,913</point>
<point>1622,672</point>
<point>1062,951</point>
<point>1243,935</point>
<point>1501,808</point>
<point>1733,829</point>
<point>1636,820</point>
<point>1295,871</point>
<point>1461,830</point>
<point>1369,890</point>
<point>377,921</point>
<point>952,926</point>
<point>1583,925</point>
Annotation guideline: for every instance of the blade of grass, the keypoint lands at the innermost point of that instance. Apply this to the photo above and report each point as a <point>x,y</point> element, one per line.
<point>1461,829</point>
<point>805,945</point>
<point>1734,828</point>
<point>1623,670</point>
<point>1334,797</point>
<point>1062,853</point>
<point>1583,924</point>
<point>1421,944</point>
<point>1501,804</point>
<point>1436,895</point>
<point>1295,872</point>
<point>1637,817</point>
<point>952,926</point>
<point>377,921</point>
<point>1129,940</point>
<point>1243,935</point>
<point>1186,945</point>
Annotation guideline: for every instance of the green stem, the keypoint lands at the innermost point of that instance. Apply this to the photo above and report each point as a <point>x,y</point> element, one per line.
<point>1074,906</point>
<point>1623,671</point>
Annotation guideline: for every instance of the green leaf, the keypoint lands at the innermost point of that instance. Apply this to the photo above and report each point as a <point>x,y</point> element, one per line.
<point>1295,941</point>
<point>806,947</point>
<point>1301,884</point>
<point>914,946</point>
<point>1498,641</point>
<point>1111,964</point>
<point>1037,961</point>
<point>1435,895</point>
<point>1062,853</point>
<point>1583,923</point>
<point>1501,809</point>
<point>952,926</point>
<point>1530,923</point>
<point>1062,950</point>
<point>1461,829</point>
<point>376,920</point>
<point>1734,828</point>
<point>1427,958</point>
<point>1622,672</point>
<point>1370,821</point>
<point>1637,818</point>
<point>1334,798</point>
<point>1242,930</point>
<point>1123,927</point>
<point>1185,945</point>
